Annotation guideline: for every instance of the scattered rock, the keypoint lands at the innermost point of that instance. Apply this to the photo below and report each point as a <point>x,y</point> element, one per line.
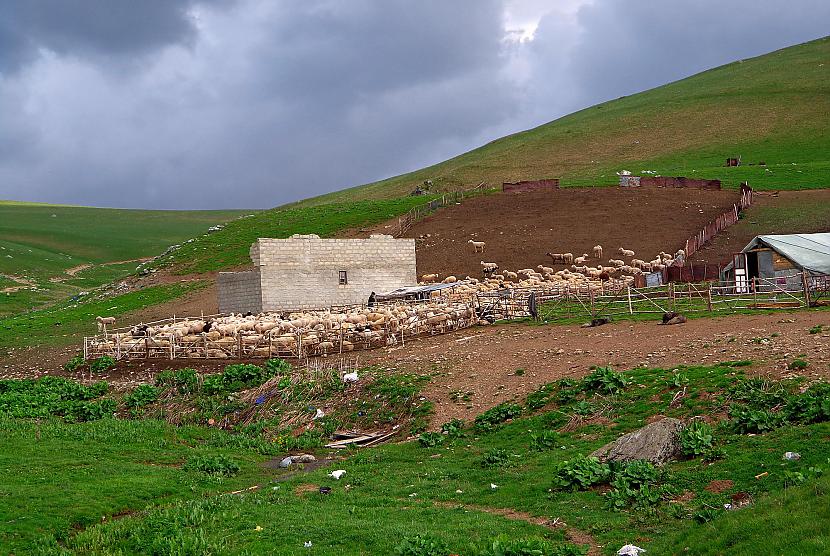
<point>657,443</point>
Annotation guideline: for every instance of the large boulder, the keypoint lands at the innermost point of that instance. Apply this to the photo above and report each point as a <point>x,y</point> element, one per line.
<point>657,442</point>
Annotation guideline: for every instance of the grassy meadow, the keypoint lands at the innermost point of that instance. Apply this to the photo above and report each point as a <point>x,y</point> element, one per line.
<point>39,243</point>
<point>494,486</point>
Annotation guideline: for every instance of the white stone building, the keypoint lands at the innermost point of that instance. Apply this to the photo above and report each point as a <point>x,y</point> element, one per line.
<point>306,272</point>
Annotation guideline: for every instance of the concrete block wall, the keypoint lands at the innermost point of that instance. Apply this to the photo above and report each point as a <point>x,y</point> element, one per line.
<point>239,292</point>
<point>302,272</point>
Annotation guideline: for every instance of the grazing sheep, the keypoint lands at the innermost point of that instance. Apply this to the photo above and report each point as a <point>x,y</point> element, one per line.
<point>103,322</point>
<point>449,280</point>
<point>511,275</point>
<point>597,251</point>
<point>478,246</point>
<point>569,258</point>
<point>625,252</point>
<point>564,258</point>
<point>489,267</point>
<point>429,278</point>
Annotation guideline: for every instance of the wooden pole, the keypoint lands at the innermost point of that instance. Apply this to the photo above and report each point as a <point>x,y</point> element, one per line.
<point>806,286</point>
<point>709,297</point>
<point>630,308</point>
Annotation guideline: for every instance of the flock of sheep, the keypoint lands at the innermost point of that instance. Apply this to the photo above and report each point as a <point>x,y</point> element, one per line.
<point>277,334</point>
<point>576,276</point>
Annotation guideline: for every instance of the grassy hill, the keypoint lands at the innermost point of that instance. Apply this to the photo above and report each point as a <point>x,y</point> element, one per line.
<point>39,243</point>
<point>774,108</point>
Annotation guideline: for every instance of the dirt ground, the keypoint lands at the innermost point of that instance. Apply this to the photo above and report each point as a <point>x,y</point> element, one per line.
<point>481,364</point>
<point>519,228</point>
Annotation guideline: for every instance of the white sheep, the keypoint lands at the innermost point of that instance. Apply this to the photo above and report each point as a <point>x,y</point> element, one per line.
<point>478,246</point>
<point>616,262</point>
<point>544,269</point>
<point>625,252</point>
<point>429,277</point>
<point>103,322</point>
<point>511,275</point>
<point>582,259</point>
<point>449,280</point>
<point>597,251</point>
<point>489,267</point>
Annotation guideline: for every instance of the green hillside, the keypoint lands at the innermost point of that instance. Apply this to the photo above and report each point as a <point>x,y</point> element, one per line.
<point>774,108</point>
<point>39,243</point>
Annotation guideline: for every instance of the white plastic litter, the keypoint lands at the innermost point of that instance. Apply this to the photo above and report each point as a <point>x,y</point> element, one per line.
<point>792,456</point>
<point>286,462</point>
<point>630,550</point>
<point>319,414</point>
<point>493,486</point>
<point>337,474</point>
<point>350,377</point>
<point>307,544</point>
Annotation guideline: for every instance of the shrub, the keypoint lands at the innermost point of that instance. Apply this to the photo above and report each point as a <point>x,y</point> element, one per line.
<point>431,439</point>
<point>186,381</point>
<point>816,329</point>
<point>144,394</point>
<point>540,397</point>
<point>746,420</point>
<point>218,465</point>
<point>102,364</point>
<point>74,363</point>
<point>453,428</point>
<point>634,484</point>
<point>495,416</point>
<point>504,546</point>
<point>496,458</point>
<point>276,367</point>
<point>422,545</point>
<point>605,380</point>
<point>696,438</point>
<point>813,406</point>
<point>81,411</point>
<point>798,365</point>
<point>544,440</point>
<point>234,378</point>
<point>580,472</point>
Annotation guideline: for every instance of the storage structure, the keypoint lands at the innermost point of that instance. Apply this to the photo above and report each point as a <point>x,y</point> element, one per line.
<point>305,272</point>
<point>778,260</point>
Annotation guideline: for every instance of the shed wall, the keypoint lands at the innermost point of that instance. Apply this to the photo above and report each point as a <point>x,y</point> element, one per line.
<point>239,292</point>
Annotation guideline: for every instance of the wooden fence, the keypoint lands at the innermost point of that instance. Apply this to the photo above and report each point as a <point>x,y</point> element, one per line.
<point>728,218</point>
<point>790,292</point>
<point>415,214</point>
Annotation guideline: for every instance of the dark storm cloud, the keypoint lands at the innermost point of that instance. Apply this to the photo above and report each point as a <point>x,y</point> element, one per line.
<point>260,102</point>
<point>89,27</point>
<point>629,46</point>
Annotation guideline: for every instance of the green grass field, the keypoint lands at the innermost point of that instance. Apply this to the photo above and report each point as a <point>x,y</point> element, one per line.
<point>66,322</point>
<point>40,242</point>
<point>770,109</point>
<point>438,491</point>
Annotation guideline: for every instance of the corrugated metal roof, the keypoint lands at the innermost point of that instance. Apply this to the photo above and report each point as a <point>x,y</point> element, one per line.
<point>413,290</point>
<point>808,251</point>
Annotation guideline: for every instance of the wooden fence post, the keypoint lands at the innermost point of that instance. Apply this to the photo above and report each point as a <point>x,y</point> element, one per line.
<point>630,308</point>
<point>806,286</point>
<point>709,297</point>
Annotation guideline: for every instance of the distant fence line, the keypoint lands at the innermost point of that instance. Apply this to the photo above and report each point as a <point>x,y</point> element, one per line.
<point>723,221</point>
<point>415,214</point>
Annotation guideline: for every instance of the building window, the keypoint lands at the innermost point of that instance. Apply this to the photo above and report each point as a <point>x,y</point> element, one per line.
<point>342,278</point>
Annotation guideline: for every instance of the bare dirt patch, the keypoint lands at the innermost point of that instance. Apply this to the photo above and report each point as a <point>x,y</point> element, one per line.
<point>718,486</point>
<point>519,228</point>
<point>481,362</point>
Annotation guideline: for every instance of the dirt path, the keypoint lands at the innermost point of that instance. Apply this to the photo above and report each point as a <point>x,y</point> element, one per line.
<point>481,367</point>
<point>573,535</point>
<point>24,283</point>
<point>72,272</point>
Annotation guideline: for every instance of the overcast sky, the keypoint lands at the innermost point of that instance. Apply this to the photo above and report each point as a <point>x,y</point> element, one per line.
<point>253,103</point>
